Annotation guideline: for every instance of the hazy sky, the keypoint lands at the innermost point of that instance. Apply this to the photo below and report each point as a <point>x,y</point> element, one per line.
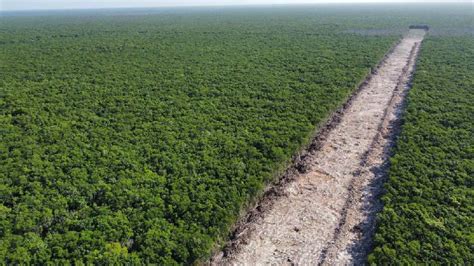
<point>68,4</point>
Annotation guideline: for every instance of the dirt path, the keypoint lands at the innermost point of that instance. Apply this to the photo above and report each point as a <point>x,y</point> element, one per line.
<point>326,213</point>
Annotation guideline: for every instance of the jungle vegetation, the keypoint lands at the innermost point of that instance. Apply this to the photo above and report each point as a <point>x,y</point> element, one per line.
<point>139,135</point>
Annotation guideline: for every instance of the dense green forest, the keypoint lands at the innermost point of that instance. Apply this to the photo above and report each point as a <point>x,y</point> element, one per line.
<point>429,205</point>
<point>139,135</point>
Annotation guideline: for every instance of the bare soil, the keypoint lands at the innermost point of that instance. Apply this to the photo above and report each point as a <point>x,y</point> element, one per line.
<point>322,211</point>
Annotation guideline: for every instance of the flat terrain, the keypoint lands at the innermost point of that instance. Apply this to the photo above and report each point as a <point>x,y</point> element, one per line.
<point>315,221</point>
<point>142,136</point>
<point>429,201</point>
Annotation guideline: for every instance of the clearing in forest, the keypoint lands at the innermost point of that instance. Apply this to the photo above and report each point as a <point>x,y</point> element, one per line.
<point>326,215</point>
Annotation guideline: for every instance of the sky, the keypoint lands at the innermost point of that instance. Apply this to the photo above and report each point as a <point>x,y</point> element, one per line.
<point>73,4</point>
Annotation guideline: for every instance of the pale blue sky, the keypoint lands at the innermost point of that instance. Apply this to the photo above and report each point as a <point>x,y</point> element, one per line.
<point>71,4</point>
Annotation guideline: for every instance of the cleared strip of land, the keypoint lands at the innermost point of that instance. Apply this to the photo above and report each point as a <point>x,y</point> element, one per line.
<point>326,214</point>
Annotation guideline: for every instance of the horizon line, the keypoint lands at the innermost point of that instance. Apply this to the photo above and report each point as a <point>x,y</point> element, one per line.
<point>240,5</point>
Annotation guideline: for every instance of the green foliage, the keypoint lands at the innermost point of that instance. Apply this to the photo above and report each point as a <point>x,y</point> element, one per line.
<point>137,136</point>
<point>429,205</point>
